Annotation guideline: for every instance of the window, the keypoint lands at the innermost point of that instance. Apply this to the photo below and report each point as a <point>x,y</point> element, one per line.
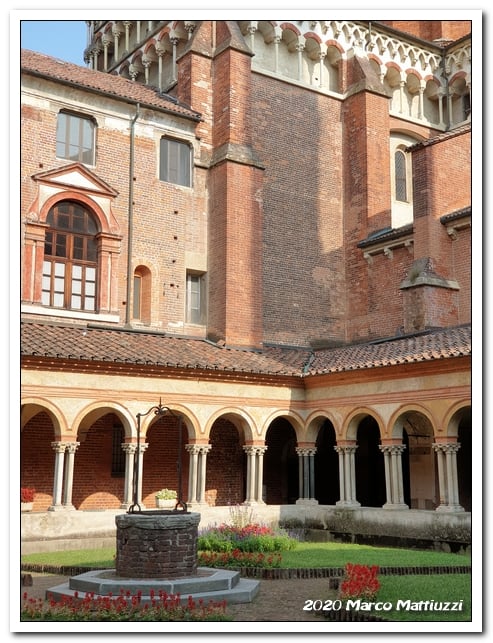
<point>196,298</point>
<point>75,138</point>
<point>137,296</point>
<point>70,258</point>
<point>117,453</point>
<point>175,162</point>
<point>400,176</point>
<point>466,103</point>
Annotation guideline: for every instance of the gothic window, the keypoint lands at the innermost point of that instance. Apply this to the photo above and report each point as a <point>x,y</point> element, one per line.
<point>70,258</point>
<point>400,176</point>
<point>175,162</point>
<point>75,138</point>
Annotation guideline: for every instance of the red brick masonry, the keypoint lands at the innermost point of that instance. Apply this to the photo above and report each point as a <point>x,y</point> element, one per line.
<point>157,544</point>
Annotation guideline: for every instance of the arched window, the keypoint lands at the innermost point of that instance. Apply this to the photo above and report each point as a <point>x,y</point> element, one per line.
<point>70,258</point>
<point>141,303</point>
<point>400,176</point>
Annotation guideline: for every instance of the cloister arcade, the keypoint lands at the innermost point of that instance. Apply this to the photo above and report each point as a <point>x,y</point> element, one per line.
<point>358,461</point>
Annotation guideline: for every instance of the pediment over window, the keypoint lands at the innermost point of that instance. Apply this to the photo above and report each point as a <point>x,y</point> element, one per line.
<point>76,176</point>
<point>74,182</point>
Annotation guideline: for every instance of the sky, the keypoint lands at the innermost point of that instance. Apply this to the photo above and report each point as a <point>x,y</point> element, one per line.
<point>64,39</point>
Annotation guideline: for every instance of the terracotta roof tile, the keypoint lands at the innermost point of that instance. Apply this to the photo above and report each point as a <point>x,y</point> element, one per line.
<point>437,344</point>
<point>159,350</point>
<point>97,81</point>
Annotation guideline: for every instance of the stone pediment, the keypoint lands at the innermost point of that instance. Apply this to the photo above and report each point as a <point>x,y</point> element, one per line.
<point>76,176</point>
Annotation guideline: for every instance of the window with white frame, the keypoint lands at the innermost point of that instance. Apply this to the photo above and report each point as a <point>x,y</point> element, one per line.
<point>70,266</point>
<point>75,138</point>
<point>175,161</point>
<point>196,298</point>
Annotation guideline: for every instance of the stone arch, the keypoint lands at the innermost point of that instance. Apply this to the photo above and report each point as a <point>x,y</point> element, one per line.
<point>415,426</point>
<point>458,424</point>
<point>365,427</point>
<point>321,430</point>
<point>281,460</point>
<point>350,425</point>
<point>87,416</point>
<point>227,460</point>
<point>31,406</point>
<point>243,422</point>
<point>42,423</point>
<point>166,459</point>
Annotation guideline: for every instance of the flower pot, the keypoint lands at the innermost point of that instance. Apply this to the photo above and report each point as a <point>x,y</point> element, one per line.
<point>163,503</point>
<point>26,506</point>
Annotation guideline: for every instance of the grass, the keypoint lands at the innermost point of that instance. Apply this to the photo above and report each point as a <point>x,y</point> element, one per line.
<point>305,555</point>
<point>440,587</point>
<point>333,554</point>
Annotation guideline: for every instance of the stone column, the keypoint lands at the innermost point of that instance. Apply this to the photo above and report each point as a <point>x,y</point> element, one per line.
<point>59,448</point>
<point>70,449</point>
<point>129,450</point>
<point>63,476</point>
<point>306,467</point>
<point>204,450</point>
<point>447,476</point>
<point>392,454</point>
<point>193,450</point>
<point>347,476</point>
<point>255,466</point>
<point>142,448</point>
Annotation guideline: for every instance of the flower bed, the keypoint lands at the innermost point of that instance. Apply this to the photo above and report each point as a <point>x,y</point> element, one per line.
<point>125,607</point>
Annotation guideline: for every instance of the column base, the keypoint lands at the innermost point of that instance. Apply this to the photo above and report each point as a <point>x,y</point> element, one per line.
<point>394,506</point>
<point>449,508</point>
<point>249,503</point>
<point>62,508</point>
<point>348,504</point>
<point>306,501</point>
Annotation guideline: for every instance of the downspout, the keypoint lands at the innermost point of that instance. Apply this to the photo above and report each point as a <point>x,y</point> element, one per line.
<point>130,216</point>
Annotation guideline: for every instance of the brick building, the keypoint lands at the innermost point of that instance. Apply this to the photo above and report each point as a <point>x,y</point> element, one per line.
<point>264,230</point>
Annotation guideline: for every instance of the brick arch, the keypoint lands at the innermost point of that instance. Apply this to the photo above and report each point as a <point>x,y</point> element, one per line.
<point>189,421</point>
<point>106,224</point>
<point>31,406</point>
<point>294,419</point>
<point>395,427</point>
<point>453,417</point>
<point>244,423</point>
<point>314,422</point>
<point>350,424</point>
<point>86,417</point>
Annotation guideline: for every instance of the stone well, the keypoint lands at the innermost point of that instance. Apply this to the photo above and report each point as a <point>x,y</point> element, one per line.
<point>156,544</point>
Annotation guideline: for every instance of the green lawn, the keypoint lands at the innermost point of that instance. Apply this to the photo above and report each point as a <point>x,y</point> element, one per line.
<point>402,592</point>
<point>338,554</point>
<point>304,555</point>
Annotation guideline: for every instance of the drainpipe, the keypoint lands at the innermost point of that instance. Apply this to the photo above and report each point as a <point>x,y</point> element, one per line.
<point>130,216</point>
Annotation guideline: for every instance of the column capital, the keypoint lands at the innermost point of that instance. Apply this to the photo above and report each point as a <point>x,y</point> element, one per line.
<point>446,447</point>
<point>306,450</point>
<point>254,449</point>
<point>71,447</point>
<point>346,448</point>
<point>392,448</point>
<point>129,447</point>
<point>59,447</point>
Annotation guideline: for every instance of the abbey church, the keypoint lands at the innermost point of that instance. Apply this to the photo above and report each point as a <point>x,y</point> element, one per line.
<point>245,270</point>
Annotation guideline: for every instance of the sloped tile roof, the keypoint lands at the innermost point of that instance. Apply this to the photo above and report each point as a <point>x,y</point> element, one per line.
<point>120,88</point>
<point>438,344</point>
<point>160,350</point>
